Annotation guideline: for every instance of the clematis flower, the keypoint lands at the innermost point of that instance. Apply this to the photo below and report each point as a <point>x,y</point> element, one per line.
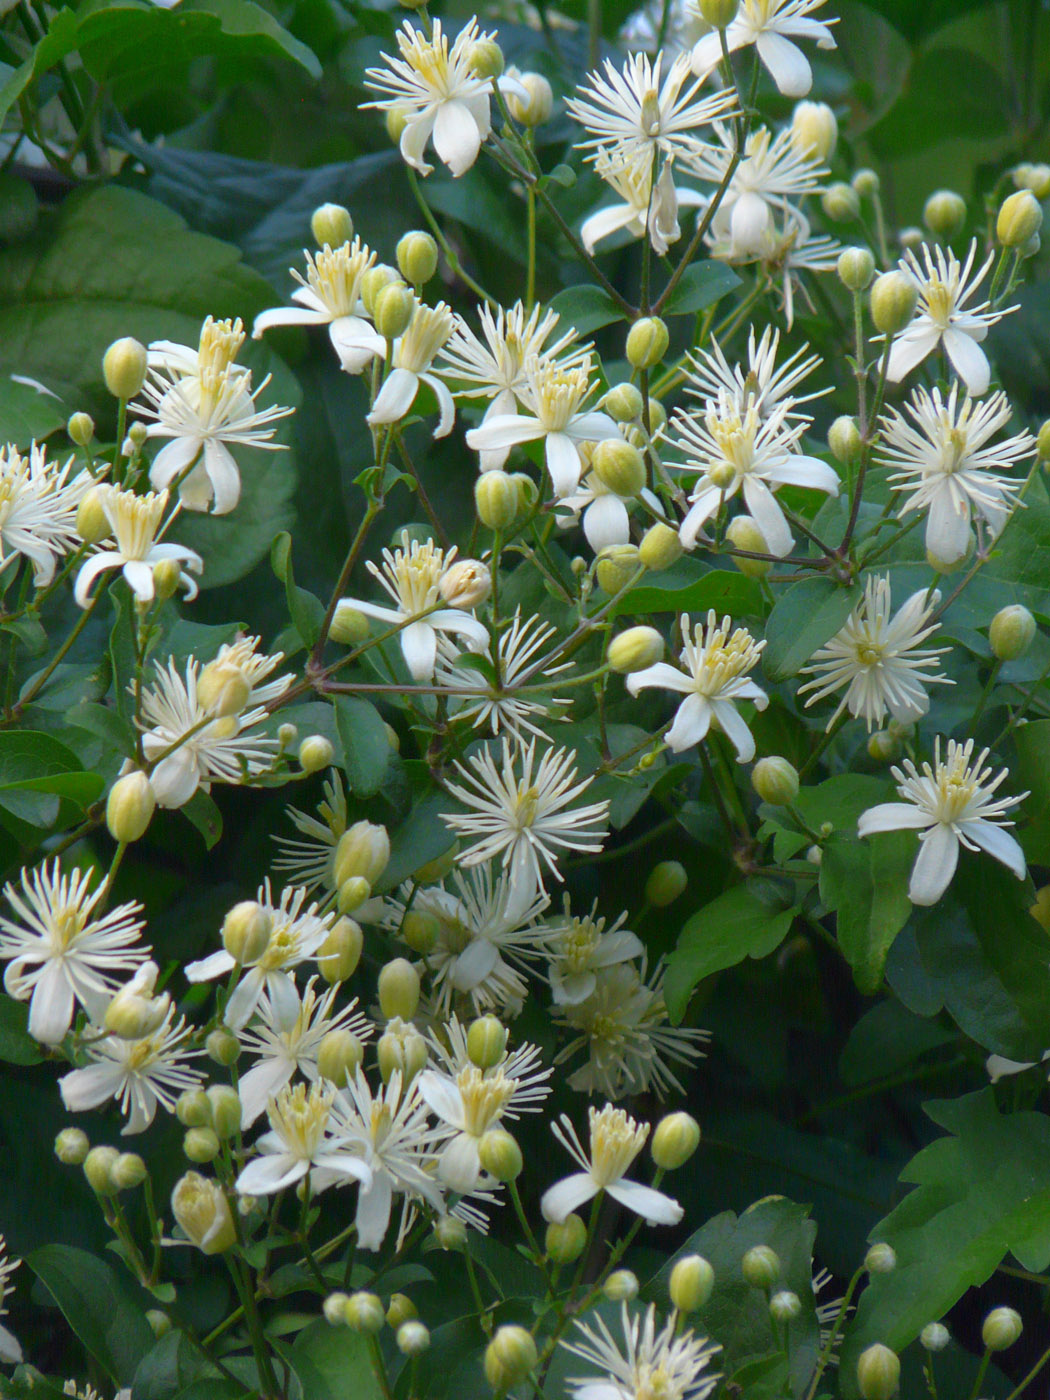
<point>135,521</point>
<point>644,209</point>
<point>413,353</point>
<point>38,509</point>
<point>951,804</point>
<point>616,1141</point>
<point>671,1360</point>
<point>10,1349</point>
<point>762,383</point>
<point>580,947</point>
<point>303,1141</point>
<point>770,25</point>
<point>602,513</point>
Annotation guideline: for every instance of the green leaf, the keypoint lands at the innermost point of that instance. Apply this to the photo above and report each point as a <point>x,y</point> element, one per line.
<point>422,837</point>
<point>305,610</point>
<point>866,884</point>
<point>338,1362</point>
<point>724,590</point>
<point>35,771</point>
<point>803,619</point>
<point>26,414</point>
<point>60,39</point>
<point>1033,752</point>
<point>701,285</point>
<point>586,307</point>
<point>366,747</point>
<point>746,922</point>
<point>951,93</point>
<point>99,1306</point>
<point>205,816</point>
<point>981,1193</point>
<point>17,1046</point>
<point>886,1039</point>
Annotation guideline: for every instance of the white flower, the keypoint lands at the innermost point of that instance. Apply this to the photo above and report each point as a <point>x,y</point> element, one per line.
<point>436,89</point>
<point>139,1074</point>
<point>201,400</point>
<point>950,805</point>
<point>944,288</point>
<point>616,1141</point>
<point>554,393</point>
<point>310,863</point>
<point>135,521</point>
<point>946,464</point>
<point>644,208</point>
<point>623,1028</point>
<point>669,1363</point>
<point>330,295</point>
<point>715,677</point>
<point>10,1350</point>
<point>38,509</point>
<point>743,452</point>
<point>580,946</point>
<point>58,953</point>
<point>770,25</point>
<point>762,384</point>
<point>295,935</point>
<point>412,577</point>
<point>998,1065</point>
<point>488,696</point>
<point>190,749</point>
<point>305,1139</point>
<point>879,658</point>
<point>389,1130</point>
<point>526,819</point>
<point>256,667</point>
<point>286,1044</point>
<point>427,332</point>
<point>629,113</point>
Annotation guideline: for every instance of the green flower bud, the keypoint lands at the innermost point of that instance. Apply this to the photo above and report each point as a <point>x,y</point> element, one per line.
<point>124,368</point>
<point>395,119</point>
<point>246,931</point>
<point>784,1306</point>
<point>417,257</point>
<point>844,440</point>
<point>1042,442</point>
<point>201,1144</point>
<point>743,533</point>
<point>353,893</point>
<point>486,58</point>
<point>814,130</point>
<point>880,1259</point>
<point>866,183</point>
<point>465,584</point>
<point>884,746</point>
<point>486,1042</point>
<point>193,1109</point>
<point>564,1242</point>
<point>98,1168</point>
<point>667,880</point>
<point>130,807</point>
<point>621,1286</point>
<point>944,213</point>
<point>412,1338</point>
<point>223,688</point>
<point>398,989</point>
<point>166,575</point>
<point>893,300</point>
<point>92,523</point>
<point>910,237</point>
<point>537,107</point>
<point>420,931</point>
<point>129,1171</point>
<point>203,1213</point>
<point>399,1310</point>
<point>719,14</point>
<point>676,1138</point>
<point>402,1049</point>
<point>340,953</point>
<point>635,649</point>
<point>657,414</point>
<point>509,1357</point>
<point>647,342</point>
<point>934,1336</point>
<point>338,1056</point>
<point>761,1266</point>
<point>363,849</point>
<point>393,309</point>
<point>364,1313</point>
<point>223,1047</point>
<point>334,1309</point>
<point>331,224</point>
<point>619,466</point>
<point>775,780</point>
<point>623,403</point>
<point>139,435</point>
<point>496,499</point>
<point>1020,218</point>
<point>378,276</point>
<point>691,1283</point>
<point>1001,1328</point>
<point>134,1011</point>
<point>225,1110</point>
<point>617,565</point>
<point>72,1146</point>
<point>349,627</point>
<point>450,1233</point>
<point>287,735</point>
<point>856,268</point>
<point>878,1372</point>
<point>81,429</point>
<point>500,1155</point>
<point>1035,178</point>
<point>159,1322</point>
<point>660,547</point>
<point>840,202</point>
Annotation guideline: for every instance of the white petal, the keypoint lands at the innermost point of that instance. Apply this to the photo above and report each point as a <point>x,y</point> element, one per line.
<point>355,342</point>
<point>395,398</point>
<point>287,316</point>
<point>269,1174</point>
<point>504,431</point>
<point>457,139</point>
<point>215,965</point>
<point>910,348</point>
<point>373,1211</point>
<point>244,1000</point>
<point>998,1065</point>
<point>51,1009</point>
<point>139,576</point>
<point>474,964</point>
<point>606,522</point>
<point>460,1167</point>
<point>563,463</point>
<point>172,459</point>
<point>934,866</point>
<point>892,816</point>
<point>419,648</point>
<point>768,516</point>
<point>89,572</point>
<point>91,1087</point>
<point>564,1196</point>
<point>259,1085</point>
<point>948,527</point>
<point>968,360</point>
<point>997,843</point>
<point>787,64</point>
<point>734,728</point>
<point>442,1097</point>
<point>413,142</point>
<point>225,479</point>
<point>604,224</point>
<point>691,723</point>
<point>283,997</point>
<point>175,779</point>
<point>660,674</point>
<point>652,1206</point>
<point>10,1350</point>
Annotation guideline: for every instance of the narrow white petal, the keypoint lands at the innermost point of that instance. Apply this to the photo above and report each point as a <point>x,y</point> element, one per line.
<point>562,1198</point>
<point>934,866</point>
<point>653,1206</point>
<point>997,843</point>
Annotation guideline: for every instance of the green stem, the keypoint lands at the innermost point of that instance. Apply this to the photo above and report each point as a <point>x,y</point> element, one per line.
<point>979,1379</point>
<point>59,656</point>
<point>260,1349</point>
<point>1031,1375</point>
<point>530,283</point>
<point>372,510</point>
<point>455,266</point>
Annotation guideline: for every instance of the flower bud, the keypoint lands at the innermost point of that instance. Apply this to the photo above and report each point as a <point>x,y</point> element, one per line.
<point>420,931</point>
<point>500,1155</point>
<point>223,689</point>
<point>129,1171</point>
<point>509,1357</point>
<point>660,547</point>
<point>691,1283</point>
<point>225,1110</point>
<point>775,780</point>
<point>364,1313</point>
<point>349,627</point>
<point>486,1042</point>
<point>72,1146</point>
<point>676,1138</point>
<point>81,428</point>
<point>223,1047</point>
<point>840,202</point>
<point>619,466</point>
<point>878,1372</point>
<point>496,499</point>
<point>1020,217</point>
<point>910,237</point>
<point>395,119</point>
<point>246,931</point>
<point>667,880</point>
<point>814,130</point>
<point>635,649</point>
<point>866,183</point>
<point>353,893</point>
<point>647,342</point>
<point>884,746</point>
<point>331,224</point>
<point>617,566</point>
<point>393,309</point>
<point>134,1012</point>
<point>1001,1328</point>
<point>814,855</point>
<point>486,58</point>
<point>465,584</point>
<point>450,1233</point>
<point>1035,178</point>
<point>623,403</point>
<point>944,213</point>
<point>784,1306</point>
<point>287,735</point>
<point>761,1266</point>
<point>364,850</point>
<point>334,1309</point>
<point>401,1049</point>
<point>193,1109</point>
<point>621,1286</point>
<point>124,368</point>
<point>138,434</point>
<point>856,268</point>
<point>315,752</point>
<point>201,1144</point>
<point>844,440</point>
<point>378,276</point>
<point>400,1309</point>
<point>537,108</point>
<point>880,1259</point>
<point>98,1168</point>
<point>92,523</point>
<point>719,14</point>
<point>166,575</point>
<point>417,257</point>
<point>130,807</point>
<point>1012,632</point>
<point>338,1056</point>
<point>1031,248</point>
<point>893,299</point>
<point>528,493</point>
<point>413,1338</point>
<point>743,533</point>
<point>203,1213</point>
<point>340,953</point>
<point>564,1242</point>
<point>398,989</point>
<point>934,1336</point>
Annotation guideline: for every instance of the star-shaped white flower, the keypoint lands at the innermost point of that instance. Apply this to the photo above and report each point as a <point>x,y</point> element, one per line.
<point>615,1141</point>
<point>671,1363</point>
<point>580,947</point>
<point>304,1139</point>
<point>951,804</point>
<point>330,295</point>
<point>38,509</point>
<point>135,522</point>
<point>10,1350</point>
<point>770,25</point>
<point>643,208</point>
<point>761,382</point>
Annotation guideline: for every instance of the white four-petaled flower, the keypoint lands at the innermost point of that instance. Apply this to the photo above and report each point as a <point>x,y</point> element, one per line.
<point>330,295</point>
<point>135,522</point>
<point>615,1141</point>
